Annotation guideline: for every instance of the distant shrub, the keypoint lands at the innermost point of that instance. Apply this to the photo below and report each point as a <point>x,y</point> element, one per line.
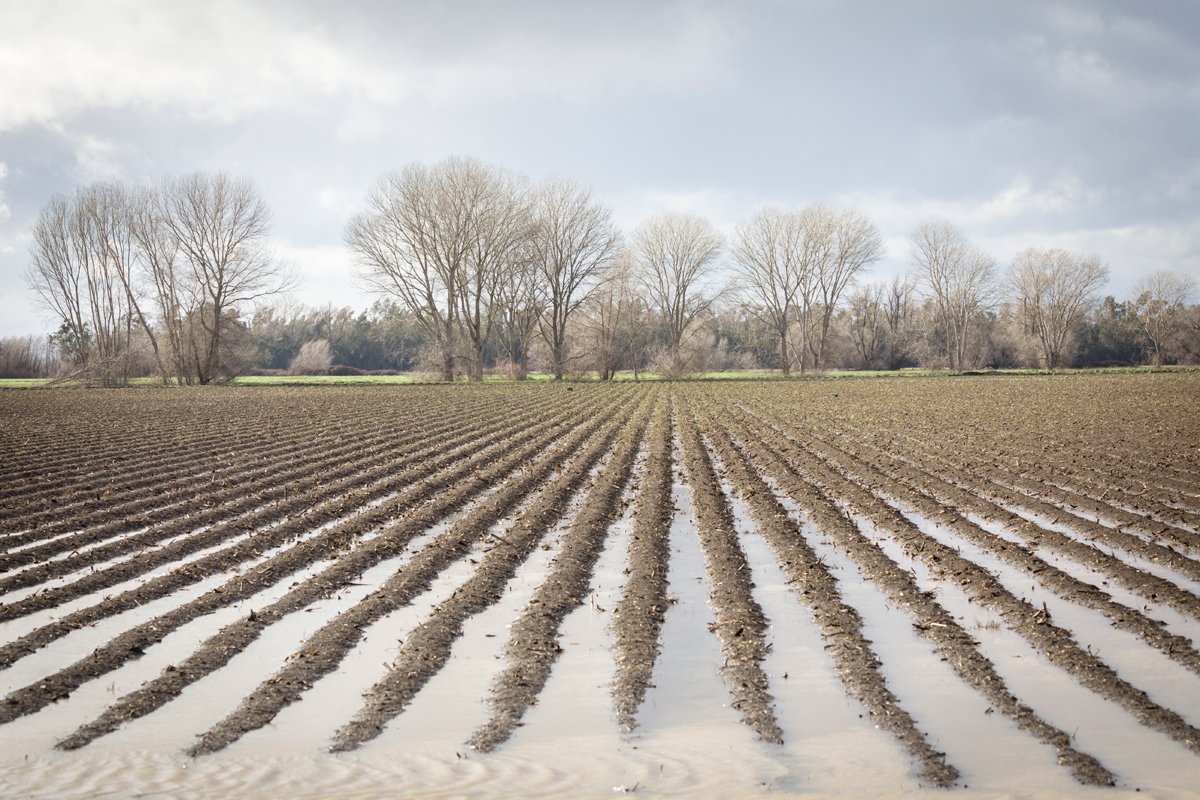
<point>315,358</point>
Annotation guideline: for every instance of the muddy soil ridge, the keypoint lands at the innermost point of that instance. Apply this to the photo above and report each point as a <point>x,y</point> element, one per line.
<point>129,519</point>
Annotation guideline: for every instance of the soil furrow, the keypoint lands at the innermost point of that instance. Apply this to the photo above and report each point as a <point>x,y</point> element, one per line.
<point>942,506</point>
<point>1031,623</point>
<point>638,615</point>
<point>931,620</point>
<point>438,496</point>
<point>532,647</point>
<point>326,498</point>
<point>422,481</point>
<point>983,484</point>
<point>322,652</point>
<point>186,422</point>
<point>840,624</point>
<point>427,648</point>
<point>739,622</point>
<point>235,495</point>
<point>1039,484</point>
<point>175,476</point>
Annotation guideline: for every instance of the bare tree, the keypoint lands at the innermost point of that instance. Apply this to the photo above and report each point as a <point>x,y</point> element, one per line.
<point>56,274</point>
<point>314,358</point>
<point>773,272</point>
<point>24,357</point>
<point>958,277</point>
<point>80,254</point>
<point>521,305</point>
<point>220,225</point>
<point>1191,341</point>
<point>172,293</point>
<point>676,254</point>
<point>574,239</point>
<point>441,240</point>
<point>1159,310</point>
<point>495,206</point>
<point>617,319</point>
<point>867,323</point>
<point>1052,290</point>
<point>899,313</point>
<point>411,244</point>
<point>847,242</point>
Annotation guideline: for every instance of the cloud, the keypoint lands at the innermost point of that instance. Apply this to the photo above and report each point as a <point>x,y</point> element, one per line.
<point>96,159</point>
<point>221,61</point>
<point>5,213</point>
<point>326,273</point>
<point>1021,200</point>
<point>337,202</point>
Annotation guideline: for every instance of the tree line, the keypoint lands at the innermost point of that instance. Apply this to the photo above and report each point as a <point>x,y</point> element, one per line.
<point>475,268</point>
<point>167,271</point>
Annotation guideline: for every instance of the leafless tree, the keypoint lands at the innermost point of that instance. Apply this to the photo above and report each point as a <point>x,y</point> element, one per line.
<point>616,319</point>
<point>171,291</point>
<point>411,244</point>
<point>1191,327</point>
<point>959,279</point>
<point>441,240</point>
<point>899,314</point>
<point>773,272</point>
<point>1159,310</point>
<point>846,242</point>
<point>495,204</point>
<point>56,274</point>
<point>521,305</point>
<point>676,254</point>
<point>220,225</point>
<point>80,254</point>
<point>314,358</point>
<point>1051,291</point>
<point>24,357</point>
<point>574,239</point>
<point>867,323</point>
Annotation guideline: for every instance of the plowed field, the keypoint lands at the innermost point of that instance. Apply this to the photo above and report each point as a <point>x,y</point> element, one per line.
<point>885,587</point>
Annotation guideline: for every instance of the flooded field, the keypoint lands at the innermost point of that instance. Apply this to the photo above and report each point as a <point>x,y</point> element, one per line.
<point>914,587</point>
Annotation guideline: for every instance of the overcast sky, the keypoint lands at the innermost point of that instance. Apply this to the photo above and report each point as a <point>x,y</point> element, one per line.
<point>1069,124</point>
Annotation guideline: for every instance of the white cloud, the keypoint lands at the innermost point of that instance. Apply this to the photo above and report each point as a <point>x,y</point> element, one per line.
<point>326,274</point>
<point>1131,251</point>
<point>95,158</point>
<point>4,210</point>
<point>221,60</point>
<point>1087,71</point>
<point>1184,185</point>
<point>337,201</point>
<point>1021,199</point>
<point>722,208</point>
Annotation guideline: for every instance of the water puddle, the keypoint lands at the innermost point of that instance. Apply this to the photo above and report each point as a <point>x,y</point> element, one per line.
<point>1144,527</point>
<point>310,724</point>
<point>687,733</point>
<point>1099,727</point>
<point>59,581</point>
<point>12,629</point>
<point>56,721</point>
<point>1174,621</point>
<point>830,744</point>
<point>1167,682</point>
<point>1136,561</point>
<point>453,703</point>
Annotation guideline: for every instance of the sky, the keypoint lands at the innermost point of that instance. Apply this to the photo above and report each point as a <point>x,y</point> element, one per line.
<point>1026,123</point>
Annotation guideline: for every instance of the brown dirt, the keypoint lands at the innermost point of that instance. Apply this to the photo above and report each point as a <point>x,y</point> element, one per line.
<point>860,459</point>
